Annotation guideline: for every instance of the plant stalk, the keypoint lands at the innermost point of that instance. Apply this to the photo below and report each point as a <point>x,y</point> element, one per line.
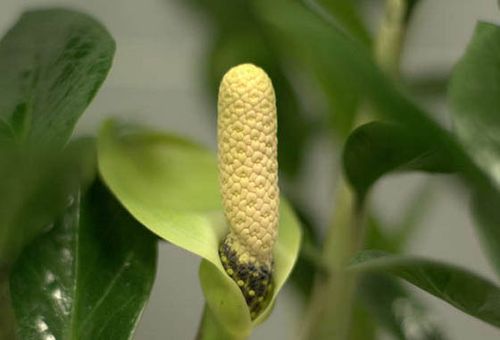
<point>391,35</point>
<point>333,294</point>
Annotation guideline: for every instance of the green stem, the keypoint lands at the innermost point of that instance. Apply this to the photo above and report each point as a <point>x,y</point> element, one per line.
<point>331,303</point>
<point>390,38</point>
<point>211,329</point>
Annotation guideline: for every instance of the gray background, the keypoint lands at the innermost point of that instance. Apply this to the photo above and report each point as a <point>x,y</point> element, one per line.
<point>155,80</point>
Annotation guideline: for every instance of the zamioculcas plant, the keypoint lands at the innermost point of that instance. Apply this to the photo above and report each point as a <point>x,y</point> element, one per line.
<point>80,219</point>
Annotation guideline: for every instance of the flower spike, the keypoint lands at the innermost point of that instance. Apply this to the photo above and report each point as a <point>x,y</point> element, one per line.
<point>248,172</point>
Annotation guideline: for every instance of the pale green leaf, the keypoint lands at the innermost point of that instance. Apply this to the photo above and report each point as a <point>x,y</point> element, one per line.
<point>171,187</point>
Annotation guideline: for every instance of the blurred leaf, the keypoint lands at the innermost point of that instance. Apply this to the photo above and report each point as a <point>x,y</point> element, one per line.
<point>345,60</point>
<point>464,290</point>
<point>308,263</point>
<point>34,189</point>
<point>395,309</point>
<point>89,277</point>
<point>411,5</point>
<point>377,148</point>
<point>432,85</point>
<point>52,63</point>
<point>473,95</point>
<point>362,325</point>
<point>170,185</point>
<point>485,207</point>
<point>346,14</point>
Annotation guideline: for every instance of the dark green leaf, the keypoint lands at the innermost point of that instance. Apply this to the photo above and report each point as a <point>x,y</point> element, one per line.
<point>34,189</point>
<point>462,289</point>
<point>52,63</point>
<point>345,60</point>
<point>485,206</point>
<point>377,148</point>
<point>89,277</point>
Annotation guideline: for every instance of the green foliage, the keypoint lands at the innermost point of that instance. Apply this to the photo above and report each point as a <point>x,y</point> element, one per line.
<point>88,266</point>
<point>473,96</point>
<point>90,272</point>
<point>378,148</point>
<point>89,277</point>
<point>462,289</point>
<point>52,63</point>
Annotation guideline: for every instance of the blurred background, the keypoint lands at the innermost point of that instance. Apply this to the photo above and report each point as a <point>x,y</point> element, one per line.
<point>170,54</point>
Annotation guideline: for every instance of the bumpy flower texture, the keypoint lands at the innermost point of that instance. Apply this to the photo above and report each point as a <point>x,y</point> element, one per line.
<point>248,168</point>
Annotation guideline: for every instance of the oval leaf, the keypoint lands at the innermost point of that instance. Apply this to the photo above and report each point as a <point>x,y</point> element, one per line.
<point>36,182</point>
<point>52,63</point>
<point>377,148</point>
<point>169,184</point>
<point>462,289</point>
<point>89,277</point>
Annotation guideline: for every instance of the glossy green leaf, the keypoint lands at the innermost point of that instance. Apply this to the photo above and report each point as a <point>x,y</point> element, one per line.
<point>460,288</point>
<point>34,188</point>
<point>89,277</point>
<point>171,186</point>
<point>52,63</point>
<point>377,148</point>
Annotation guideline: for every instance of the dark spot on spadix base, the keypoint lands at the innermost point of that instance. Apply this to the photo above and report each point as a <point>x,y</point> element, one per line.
<point>255,281</point>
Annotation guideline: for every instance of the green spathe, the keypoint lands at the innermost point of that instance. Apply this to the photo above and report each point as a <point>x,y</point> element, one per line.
<point>171,186</point>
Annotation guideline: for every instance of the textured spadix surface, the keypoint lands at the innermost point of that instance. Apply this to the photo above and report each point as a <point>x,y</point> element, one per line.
<point>170,185</point>
<point>248,165</point>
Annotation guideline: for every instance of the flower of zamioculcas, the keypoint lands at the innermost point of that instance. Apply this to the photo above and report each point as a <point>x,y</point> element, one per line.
<point>233,218</point>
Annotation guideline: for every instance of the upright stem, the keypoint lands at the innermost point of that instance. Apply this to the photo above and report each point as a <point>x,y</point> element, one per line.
<point>330,309</point>
<point>391,35</point>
